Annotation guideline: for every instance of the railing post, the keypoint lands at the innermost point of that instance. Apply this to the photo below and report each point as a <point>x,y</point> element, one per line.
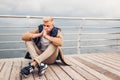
<point>79,34</point>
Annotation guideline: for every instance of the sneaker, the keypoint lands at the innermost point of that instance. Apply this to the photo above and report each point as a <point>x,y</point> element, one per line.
<point>27,70</point>
<point>42,68</point>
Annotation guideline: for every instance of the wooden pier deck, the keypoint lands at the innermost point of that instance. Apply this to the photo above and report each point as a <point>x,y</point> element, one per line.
<point>85,67</point>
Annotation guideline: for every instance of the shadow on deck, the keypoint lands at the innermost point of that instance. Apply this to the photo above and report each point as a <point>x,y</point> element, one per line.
<point>85,67</point>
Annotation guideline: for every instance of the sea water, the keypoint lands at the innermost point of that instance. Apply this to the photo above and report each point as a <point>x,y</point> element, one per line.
<point>67,26</point>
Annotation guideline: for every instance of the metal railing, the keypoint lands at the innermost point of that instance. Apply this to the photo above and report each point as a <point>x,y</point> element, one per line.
<point>79,33</point>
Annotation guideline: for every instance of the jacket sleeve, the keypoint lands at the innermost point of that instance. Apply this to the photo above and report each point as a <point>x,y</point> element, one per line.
<point>57,41</point>
<point>28,35</point>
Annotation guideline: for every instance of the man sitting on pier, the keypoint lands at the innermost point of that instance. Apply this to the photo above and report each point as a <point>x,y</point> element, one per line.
<point>43,47</point>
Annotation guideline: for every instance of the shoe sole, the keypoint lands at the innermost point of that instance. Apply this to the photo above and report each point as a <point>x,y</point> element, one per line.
<point>25,76</point>
<point>43,71</point>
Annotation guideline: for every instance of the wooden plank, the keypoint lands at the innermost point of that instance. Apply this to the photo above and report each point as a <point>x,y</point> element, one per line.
<point>107,71</point>
<point>86,67</point>
<point>6,71</point>
<point>15,73</point>
<point>37,77</point>
<point>73,74</point>
<point>118,54</point>
<point>50,75</point>
<point>83,72</point>
<point>2,63</point>
<point>116,62</point>
<point>112,56</point>
<point>105,62</point>
<point>42,77</point>
<point>90,70</point>
<point>60,73</point>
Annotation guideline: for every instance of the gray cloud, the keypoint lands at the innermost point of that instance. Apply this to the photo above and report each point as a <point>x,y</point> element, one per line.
<point>77,8</point>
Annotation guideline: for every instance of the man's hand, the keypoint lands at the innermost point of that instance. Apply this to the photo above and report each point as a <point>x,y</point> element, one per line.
<point>44,33</point>
<point>36,35</point>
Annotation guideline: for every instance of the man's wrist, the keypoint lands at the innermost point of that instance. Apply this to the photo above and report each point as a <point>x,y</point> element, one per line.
<point>47,37</point>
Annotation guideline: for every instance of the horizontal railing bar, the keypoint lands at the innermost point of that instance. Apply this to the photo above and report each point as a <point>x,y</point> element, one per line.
<point>98,39</point>
<point>70,40</point>
<point>59,27</point>
<point>1,42</point>
<point>11,34</point>
<point>100,27</point>
<point>63,18</point>
<point>12,49</point>
<point>17,27</point>
<point>69,47</point>
<point>63,47</point>
<point>11,42</point>
<point>36,26</point>
<point>98,33</point>
<point>64,40</point>
<point>25,48</point>
<point>100,45</point>
<point>19,34</point>
<point>66,27</point>
<point>21,16</point>
<point>96,25</point>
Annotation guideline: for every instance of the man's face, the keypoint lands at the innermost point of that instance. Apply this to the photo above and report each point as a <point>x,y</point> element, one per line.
<point>47,26</point>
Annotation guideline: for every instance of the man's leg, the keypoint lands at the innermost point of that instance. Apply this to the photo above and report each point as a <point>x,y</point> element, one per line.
<point>51,50</point>
<point>34,52</point>
<point>50,54</point>
<point>32,49</point>
<point>52,58</point>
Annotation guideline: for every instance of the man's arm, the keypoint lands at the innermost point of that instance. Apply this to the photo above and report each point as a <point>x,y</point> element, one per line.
<point>30,35</point>
<point>57,41</point>
<point>34,31</point>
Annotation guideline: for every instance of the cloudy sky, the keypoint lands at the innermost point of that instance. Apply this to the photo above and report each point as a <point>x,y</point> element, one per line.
<point>67,8</point>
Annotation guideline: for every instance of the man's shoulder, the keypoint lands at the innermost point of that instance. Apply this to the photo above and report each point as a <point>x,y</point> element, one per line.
<point>59,29</point>
<point>40,27</point>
